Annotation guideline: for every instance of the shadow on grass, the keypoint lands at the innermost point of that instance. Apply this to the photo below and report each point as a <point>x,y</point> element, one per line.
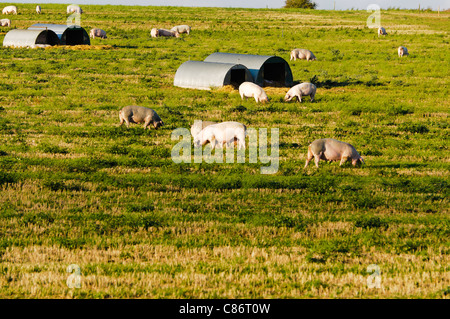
<point>400,165</point>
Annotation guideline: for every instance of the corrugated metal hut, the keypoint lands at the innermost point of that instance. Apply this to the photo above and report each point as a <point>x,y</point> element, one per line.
<point>206,75</point>
<point>67,34</point>
<point>265,69</point>
<point>29,38</point>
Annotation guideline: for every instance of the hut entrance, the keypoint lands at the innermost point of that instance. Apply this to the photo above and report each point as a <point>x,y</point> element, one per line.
<point>74,36</point>
<point>237,77</point>
<point>47,37</point>
<point>274,74</point>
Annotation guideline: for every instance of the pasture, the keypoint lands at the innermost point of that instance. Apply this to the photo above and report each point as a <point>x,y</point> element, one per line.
<point>75,188</point>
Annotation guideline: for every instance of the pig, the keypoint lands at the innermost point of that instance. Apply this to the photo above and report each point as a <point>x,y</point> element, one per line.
<point>222,133</point>
<point>198,126</point>
<point>329,149</point>
<point>99,33</point>
<point>154,33</point>
<point>168,33</point>
<point>299,90</point>
<point>250,89</point>
<point>181,29</point>
<point>381,31</point>
<point>9,9</point>
<point>302,54</point>
<point>139,114</point>
<point>38,9</point>
<point>5,23</point>
<point>402,51</point>
<point>74,8</point>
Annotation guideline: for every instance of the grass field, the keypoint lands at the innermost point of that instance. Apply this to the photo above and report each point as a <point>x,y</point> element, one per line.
<point>75,188</point>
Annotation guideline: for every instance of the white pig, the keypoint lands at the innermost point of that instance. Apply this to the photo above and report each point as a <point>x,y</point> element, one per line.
<point>302,54</point>
<point>299,90</point>
<point>181,29</point>
<point>250,89</point>
<point>5,23</point>
<point>9,9</point>
<point>154,33</point>
<point>198,126</point>
<point>329,149</point>
<point>381,31</point>
<point>99,33</point>
<point>402,51</point>
<point>74,8</point>
<point>222,133</point>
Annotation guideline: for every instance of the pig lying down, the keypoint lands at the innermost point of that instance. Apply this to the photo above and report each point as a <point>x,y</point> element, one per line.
<point>250,89</point>
<point>329,149</point>
<point>222,133</point>
<point>154,32</point>
<point>299,90</point>
<point>139,114</point>
<point>168,33</point>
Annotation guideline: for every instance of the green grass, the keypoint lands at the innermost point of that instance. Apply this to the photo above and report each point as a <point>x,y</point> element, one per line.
<point>75,188</point>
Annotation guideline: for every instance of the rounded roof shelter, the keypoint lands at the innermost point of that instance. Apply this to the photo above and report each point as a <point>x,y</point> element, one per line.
<point>265,69</point>
<point>206,75</point>
<point>67,34</point>
<point>29,38</point>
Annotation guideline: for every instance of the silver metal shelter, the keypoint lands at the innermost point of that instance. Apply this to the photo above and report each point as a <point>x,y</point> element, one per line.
<point>29,38</point>
<point>67,34</point>
<point>206,75</point>
<point>265,69</point>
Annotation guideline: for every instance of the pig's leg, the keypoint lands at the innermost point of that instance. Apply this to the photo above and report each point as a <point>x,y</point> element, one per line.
<point>317,159</point>
<point>344,159</point>
<point>147,123</point>
<point>127,121</point>
<point>309,158</point>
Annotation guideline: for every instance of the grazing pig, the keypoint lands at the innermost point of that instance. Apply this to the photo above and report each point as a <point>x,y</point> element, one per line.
<point>181,29</point>
<point>302,54</point>
<point>222,133</point>
<point>198,126</point>
<point>74,8</point>
<point>329,149</point>
<point>154,33</point>
<point>38,9</point>
<point>99,33</point>
<point>381,31</point>
<point>250,89</point>
<point>168,33</point>
<point>5,23</point>
<point>139,114</point>
<point>402,51</point>
<point>299,90</point>
<point>9,9</point>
